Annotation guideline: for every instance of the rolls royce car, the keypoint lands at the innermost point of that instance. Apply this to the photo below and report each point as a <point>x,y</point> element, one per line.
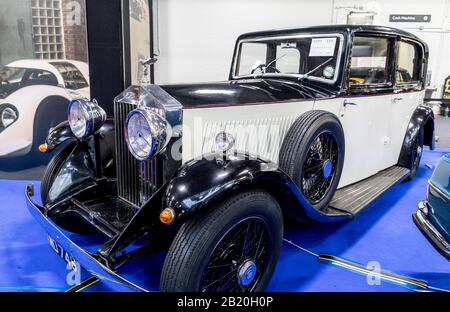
<point>33,97</point>
<point>212,170</point>
<point>433,215</point>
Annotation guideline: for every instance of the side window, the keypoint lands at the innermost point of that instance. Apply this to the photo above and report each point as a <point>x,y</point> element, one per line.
<point>34,77</point>
<point>369,63</point>
<point>73,78</point>
<point>407,70</point>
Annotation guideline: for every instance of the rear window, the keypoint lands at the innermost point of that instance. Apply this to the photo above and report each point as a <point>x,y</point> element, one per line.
<point>73,78</point>
<point>408,57</point>
<point>369,63</point>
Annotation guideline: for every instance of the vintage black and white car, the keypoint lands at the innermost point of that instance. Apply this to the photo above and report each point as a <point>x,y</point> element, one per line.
<point>313,124</point>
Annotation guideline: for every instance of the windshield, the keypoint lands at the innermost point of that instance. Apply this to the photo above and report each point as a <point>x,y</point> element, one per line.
<point>314,57</point>
<point>14,78</point>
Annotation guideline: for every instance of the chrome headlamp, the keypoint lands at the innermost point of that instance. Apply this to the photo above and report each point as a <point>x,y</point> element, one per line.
<point>85,117</point>
<point>8,115</point>
<point>147,133</point>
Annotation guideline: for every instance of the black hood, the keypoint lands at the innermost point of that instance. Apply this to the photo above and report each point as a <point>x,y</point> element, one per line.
<point>244,92</point>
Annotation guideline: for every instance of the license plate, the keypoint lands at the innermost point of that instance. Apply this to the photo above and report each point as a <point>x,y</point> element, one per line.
<point>64,255</point>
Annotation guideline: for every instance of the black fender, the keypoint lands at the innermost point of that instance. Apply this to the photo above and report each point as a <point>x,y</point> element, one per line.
<point>52,110</point>
<point>91,158</point>
<point>75,174</point>
<point>201,183</point>
<point>58,135</point>
<point>422,117</point>
<point>62,132</point>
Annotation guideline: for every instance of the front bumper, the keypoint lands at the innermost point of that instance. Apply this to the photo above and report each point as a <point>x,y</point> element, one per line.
<point>88,261</point>
<point>429,230</point>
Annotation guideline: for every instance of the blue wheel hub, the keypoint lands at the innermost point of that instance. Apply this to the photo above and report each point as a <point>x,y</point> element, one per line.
<point>327,168</point>
<point>247,273</point>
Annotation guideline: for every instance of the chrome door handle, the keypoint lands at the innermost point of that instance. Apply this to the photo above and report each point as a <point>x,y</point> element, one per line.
<point>349,103</point>
<point>398,99</point>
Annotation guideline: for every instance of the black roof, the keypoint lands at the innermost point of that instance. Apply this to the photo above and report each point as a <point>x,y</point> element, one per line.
<point>332,28</point>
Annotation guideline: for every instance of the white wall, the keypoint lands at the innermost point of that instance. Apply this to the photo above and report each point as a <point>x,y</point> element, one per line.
<point>197,37</point>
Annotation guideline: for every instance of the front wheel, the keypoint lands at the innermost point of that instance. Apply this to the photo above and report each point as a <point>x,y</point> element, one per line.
<point>232,248</point>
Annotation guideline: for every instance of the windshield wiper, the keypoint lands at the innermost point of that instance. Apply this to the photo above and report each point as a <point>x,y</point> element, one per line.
<point>306,75</point>
<point>263,67</point>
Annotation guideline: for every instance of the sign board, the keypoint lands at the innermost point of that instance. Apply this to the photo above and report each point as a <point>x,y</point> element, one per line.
<point>322,47</point>
<point>446,93</point>
<point>410,18</point>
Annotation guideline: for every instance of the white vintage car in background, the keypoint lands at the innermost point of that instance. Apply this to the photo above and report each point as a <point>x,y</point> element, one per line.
<point>34,95</point>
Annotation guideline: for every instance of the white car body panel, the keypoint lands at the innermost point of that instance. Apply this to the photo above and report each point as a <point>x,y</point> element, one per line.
<point>374,129</point>
<point>17,139</point>
<point>402,107</point>
<point>245,123</point>
<point>365,125</point>
<point>26,101</point>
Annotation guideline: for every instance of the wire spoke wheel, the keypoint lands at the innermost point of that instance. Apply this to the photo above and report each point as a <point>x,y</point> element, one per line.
<point>239,259</point>
<point>319,168</point>
<point>232,247</point>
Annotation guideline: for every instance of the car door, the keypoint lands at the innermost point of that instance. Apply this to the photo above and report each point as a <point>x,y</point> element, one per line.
<point>363,111</point>
<point>408,94</point>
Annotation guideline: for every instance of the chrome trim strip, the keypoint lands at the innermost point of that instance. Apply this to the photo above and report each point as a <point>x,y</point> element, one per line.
<point>401,280</point>
<point>430,227</point>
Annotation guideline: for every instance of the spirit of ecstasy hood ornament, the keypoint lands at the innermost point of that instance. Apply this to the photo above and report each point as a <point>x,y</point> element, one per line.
<point>145,70</point>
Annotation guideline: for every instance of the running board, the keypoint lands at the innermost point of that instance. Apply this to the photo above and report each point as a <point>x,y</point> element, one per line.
<point>354,198</point>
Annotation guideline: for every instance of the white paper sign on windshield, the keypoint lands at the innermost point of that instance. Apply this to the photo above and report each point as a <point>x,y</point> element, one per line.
<point>322,47</point>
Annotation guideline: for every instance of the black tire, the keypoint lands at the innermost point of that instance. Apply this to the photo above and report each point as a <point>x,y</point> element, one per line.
<point>52,169</point>
<point>415,155</point>
<point>210,239</point>
<point>313,153</point>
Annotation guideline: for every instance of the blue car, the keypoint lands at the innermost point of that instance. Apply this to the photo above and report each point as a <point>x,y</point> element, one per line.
<point>433,215</point>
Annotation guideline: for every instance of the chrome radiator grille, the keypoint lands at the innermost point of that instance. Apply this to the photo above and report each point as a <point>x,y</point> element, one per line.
<point>136,180</point>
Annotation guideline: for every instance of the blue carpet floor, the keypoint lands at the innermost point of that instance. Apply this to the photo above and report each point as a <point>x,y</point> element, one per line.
<point>384,235</point>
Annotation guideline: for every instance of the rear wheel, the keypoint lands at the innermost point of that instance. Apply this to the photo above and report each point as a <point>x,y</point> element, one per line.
<point>232,248</point>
